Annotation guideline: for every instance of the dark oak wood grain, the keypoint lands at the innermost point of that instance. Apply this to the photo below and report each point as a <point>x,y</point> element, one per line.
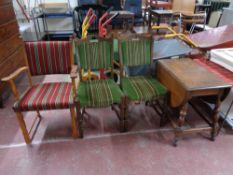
<point>12,53</point>
<point>9,46</point>
<point>8,29</point>
<point>14,61</point>
<point>6,13</point>
<point>185,80</point>
<point>4,2</point>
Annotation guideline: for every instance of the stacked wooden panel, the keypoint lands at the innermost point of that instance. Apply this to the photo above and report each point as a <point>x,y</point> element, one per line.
<point>12,53</point>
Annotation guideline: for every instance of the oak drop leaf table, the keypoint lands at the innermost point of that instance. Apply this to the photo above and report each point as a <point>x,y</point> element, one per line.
<point>186,80</point>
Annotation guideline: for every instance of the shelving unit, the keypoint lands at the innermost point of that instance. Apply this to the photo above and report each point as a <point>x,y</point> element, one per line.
<point>41,24</point>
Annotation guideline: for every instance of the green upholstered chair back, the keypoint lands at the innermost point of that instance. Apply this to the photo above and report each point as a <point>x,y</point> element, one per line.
<point>135,50</point>
<point>94,54</point>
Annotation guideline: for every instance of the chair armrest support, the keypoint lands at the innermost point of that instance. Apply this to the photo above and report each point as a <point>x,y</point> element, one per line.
<point>15,74</point>
<point>74,76</point>
<point>10,80</point>
<point>74,72</point>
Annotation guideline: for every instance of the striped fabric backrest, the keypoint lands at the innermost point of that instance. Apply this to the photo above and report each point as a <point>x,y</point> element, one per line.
<point>94,54</point>
<point>135,50</point>
<point>49,57</point>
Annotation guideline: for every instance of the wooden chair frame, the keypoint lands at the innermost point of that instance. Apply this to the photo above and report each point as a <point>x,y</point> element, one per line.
<point>10,80</point>
<point>119,109</point>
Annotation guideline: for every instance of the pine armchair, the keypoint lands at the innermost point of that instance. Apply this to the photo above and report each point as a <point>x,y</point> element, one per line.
<point>136,50</point>
<point>45,58</point>
<point>95,54</point>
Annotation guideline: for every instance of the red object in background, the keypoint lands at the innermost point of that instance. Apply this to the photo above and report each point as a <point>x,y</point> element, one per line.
<point>217,69</point>
<point>220,37</point>
<point>103,32</point>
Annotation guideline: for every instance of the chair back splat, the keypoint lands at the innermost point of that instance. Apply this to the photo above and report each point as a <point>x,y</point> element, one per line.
<point>94,54</point>
<point>49,57</point>
<point>135,50</point>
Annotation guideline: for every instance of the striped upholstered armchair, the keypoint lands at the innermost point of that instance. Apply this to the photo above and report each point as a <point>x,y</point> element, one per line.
<point>45,58</point>
<point>93,55</point>
<point>136,50</point>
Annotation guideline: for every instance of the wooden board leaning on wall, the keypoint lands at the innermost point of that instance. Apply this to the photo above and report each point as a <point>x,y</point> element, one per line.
<point>12,52</point>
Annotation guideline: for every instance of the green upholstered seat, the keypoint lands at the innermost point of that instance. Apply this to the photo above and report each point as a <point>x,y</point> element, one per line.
<point>98,93</point>
<point>142,88</point>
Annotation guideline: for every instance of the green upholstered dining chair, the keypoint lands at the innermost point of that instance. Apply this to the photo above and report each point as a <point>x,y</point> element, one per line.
<point>136,50</point>
<point>92,55</point>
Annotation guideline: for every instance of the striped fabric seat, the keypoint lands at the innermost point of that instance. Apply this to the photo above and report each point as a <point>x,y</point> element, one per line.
<point>49,57</point>
<point>94,54</point>
<point>45,97</point>
<point>98,93</point>
<point>136,51</point>
<point>142,88</point>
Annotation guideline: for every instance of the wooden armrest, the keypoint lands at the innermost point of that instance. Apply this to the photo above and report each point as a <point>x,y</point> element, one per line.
<point>11,77</point>
<point>15,74</point>
<point>74,71</point>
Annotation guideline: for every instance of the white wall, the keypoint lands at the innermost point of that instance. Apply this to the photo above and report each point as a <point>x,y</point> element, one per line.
<point>231,4</point>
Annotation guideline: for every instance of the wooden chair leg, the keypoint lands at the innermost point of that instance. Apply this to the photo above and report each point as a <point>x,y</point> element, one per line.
<point>122,122</point>
<point>73,123</point>
<point>80,120</point>
<point>38,114</point>
<point>126,113</point>
<point>122,115</point>
<point>23,127</point>
<point>1,102</point>
<point>163,119</point>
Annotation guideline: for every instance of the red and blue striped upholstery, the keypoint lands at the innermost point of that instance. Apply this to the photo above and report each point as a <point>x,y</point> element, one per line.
<point>49,57</point>
<point>46,96</point>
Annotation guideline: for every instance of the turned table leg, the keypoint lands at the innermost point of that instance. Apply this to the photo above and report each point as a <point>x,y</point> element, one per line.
<point>1,102</point>
<point>181,120</point>
<point>215,118</point>
<point>183,113</point>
